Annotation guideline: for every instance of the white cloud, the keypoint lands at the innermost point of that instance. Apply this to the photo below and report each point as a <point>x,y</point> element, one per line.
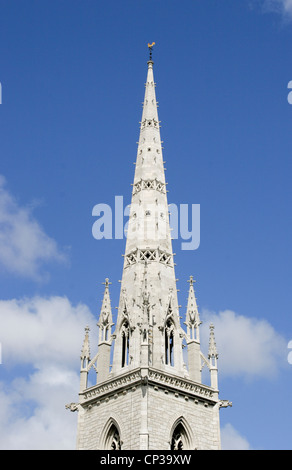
<point>24,245</point>
<point>247,347</point>
<point>33,414</point>
<point>46,336</point>
<point>232,440</point>
<point>42,330</point>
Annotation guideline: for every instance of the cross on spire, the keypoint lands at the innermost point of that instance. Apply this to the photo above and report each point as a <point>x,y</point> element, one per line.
<point>191,280</point>
<point>106,283</point>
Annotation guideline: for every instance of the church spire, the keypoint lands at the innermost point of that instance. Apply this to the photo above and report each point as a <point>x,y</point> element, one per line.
<point>149,241</point>
<point>148,399</point>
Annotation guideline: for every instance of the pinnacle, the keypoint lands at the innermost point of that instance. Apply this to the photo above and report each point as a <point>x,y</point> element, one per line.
<point>105,318</point>
<point>212,344</point>
<point>85,352</point>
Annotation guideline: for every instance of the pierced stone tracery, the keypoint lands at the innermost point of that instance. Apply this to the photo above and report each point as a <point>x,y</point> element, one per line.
<point>149,123</point>
<point>148,184</point>
<point>155,254</point>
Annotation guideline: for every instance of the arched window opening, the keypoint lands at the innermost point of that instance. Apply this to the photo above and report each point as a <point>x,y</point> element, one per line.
<point>113,440</point>
<point>106,334</point>
<point>179,438</point>
<point>125,344</point>
<point>193,329</point>
<point>169,343</point>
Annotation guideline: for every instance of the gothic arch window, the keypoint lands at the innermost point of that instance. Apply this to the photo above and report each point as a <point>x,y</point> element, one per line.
<point>169,342</point>
<point>178,441</point>
<point>106,333</point>
<point>125,343</point>
<point>181,437</point>
<point>112,438</point>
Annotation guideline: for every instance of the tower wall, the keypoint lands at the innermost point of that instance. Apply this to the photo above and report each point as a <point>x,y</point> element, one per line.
<point>146,411</point>
<point>197,416</point>
<point>123,409</point>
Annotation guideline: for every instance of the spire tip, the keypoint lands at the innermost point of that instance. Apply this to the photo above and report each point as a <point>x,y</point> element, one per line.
<point>150,47</point>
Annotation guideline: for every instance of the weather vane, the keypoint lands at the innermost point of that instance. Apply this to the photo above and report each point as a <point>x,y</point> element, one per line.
<point>150,46</point>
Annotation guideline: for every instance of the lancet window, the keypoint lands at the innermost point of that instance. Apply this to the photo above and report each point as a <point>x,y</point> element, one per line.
<point>113,441</point>
<point>179,438</point>
<point>193,326</point>
<point>169,343</point>
<point>125,343</point>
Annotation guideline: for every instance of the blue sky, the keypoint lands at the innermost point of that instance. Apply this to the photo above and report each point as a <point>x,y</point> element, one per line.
<point>72,75</point>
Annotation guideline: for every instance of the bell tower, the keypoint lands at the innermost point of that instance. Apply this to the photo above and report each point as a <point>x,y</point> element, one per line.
<point>151,397</point>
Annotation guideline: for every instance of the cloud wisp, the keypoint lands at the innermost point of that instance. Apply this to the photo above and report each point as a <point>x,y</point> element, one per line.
<point>231,439</point>
<point>24,245</point>
<point>283,7</point>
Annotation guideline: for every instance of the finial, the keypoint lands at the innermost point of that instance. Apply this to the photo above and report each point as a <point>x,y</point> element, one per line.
<point>150,46</point>
<point>106,283</point>
<point>192,280</point>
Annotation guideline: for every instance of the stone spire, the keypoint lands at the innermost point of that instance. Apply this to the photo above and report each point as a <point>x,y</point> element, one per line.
<point>149,221</point>
<point>148,287</point>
